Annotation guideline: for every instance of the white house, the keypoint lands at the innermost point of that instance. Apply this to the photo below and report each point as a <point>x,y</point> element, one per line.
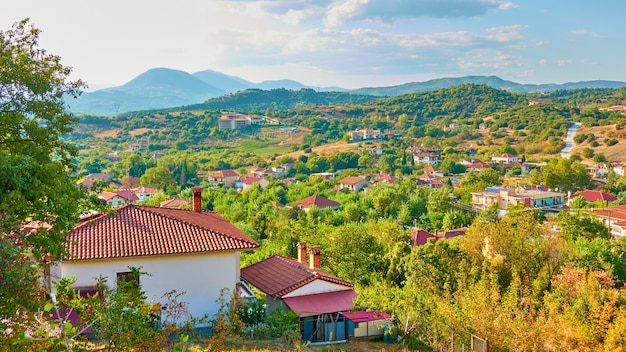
<point>190,251</point>
<point>505,158</point>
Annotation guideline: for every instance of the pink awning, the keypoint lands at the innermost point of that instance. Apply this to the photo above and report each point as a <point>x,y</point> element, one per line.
<point>329,302</point>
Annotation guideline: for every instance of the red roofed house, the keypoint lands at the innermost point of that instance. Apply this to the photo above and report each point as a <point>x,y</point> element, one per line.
<point>420,237</point>
<point>316,296</point>
<point>593,196</point>
<point>353,183</point>
<point>505,158</point>
<point>227,177</point>
<point>191,251</point>
<point>118,198</point>
<point>250,180</point>
<point>317,200</point>
<point>613,217</point>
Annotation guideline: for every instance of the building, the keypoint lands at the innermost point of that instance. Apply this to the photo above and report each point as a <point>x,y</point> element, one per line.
<point>319,201</point>
<point>145,193</point>
<point>364,134</point>
<point>367,323</point>
<point>353,183</point>
<point>505,158</point>
<point>427,158</point>
<point>191,251</point>
<point>613,218</point>
<point>119,198</point>
<point>225,177</point>
<point>532,197</point>
<point>233,121</point>
<point>316,296</point>
<point>251,180</point>
<point>592,196</point>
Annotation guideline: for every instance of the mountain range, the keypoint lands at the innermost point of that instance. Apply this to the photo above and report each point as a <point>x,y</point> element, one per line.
<point>160,88</point>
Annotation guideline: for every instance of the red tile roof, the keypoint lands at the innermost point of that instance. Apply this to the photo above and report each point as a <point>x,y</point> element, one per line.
<point>223,174</point>
<point>278,275</point>
<point>133,231</point>
<point>318,201</point>
<point>351,180</point>
<point>420,237</point>
<point>593,196</point>
<point>175,203</point>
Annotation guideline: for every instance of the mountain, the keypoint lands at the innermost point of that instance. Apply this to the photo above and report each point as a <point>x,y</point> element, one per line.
<point>492,81</point>
<point>228,83</point>
<point>153,89</point>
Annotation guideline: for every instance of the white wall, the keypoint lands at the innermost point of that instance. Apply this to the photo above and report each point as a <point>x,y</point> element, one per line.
<point>317,286</point>
<point>201,276</point>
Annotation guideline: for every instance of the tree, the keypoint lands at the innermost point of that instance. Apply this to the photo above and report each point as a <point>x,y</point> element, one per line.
<point>159,177</point>
<point>35,166</point>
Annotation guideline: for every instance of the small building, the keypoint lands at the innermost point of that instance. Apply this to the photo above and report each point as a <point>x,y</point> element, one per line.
<point>367,323</point>
<point>613,217</point>
<point>225,177</point>
<point>427,158</point>
<point>251,180</point>
<point>102,177</point>
<point>145,193</point>
<point>317,297</point>
<point>505,158</point>
<point>364,134</point>
<point>319,201</point>
<point>420,237</point>
<point>535,197</point>
<point>119,198</point>
<point>353,183</point>
<point>592,196</point>
<point>176,203</point>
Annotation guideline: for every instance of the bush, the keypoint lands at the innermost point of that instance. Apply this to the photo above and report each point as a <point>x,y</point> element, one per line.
<point>610,141</point>
<point>594,143</point>
<point>587,153</point>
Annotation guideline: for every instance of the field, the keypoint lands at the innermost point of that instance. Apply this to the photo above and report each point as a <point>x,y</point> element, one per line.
<point>616,152</point>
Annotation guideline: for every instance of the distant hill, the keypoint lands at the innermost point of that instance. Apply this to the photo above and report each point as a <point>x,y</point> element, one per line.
<point>163,88</point>
<point>492,81</point>
<point>156,88</point>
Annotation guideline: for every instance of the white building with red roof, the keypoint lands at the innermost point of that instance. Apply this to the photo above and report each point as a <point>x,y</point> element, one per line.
<point>315,295</point>
<point>613,217</point>
<point>593,196</point>
<point>122,197</point>
<point>505,158</point>
<point>226,177</point>
<point>353,183</point>
<point>191,251</point>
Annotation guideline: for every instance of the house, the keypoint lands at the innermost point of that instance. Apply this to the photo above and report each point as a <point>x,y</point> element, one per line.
<point>316,296</point>
<point>250,180</point>
<point>425,149</point>
<point>618,168</point>
<point>176,203</point>
<point>505,158</point>
<point>319,201</point>
<point>113,157</point>
<point>191,251</point>
<point>102,177</point>
<point>592,196</point>
<point>225,177</point>
<point>597,170</point>
<point>364,134</point>
<point>432,170</point>
<point>122,197</point>
<point>158,155</point>
<point>367,323</point>
<point>475,165</point>
<point>145,193</point>
<point>420,237</point>
<point>329,176</point>
<point>613,217</point>
<point>352,183</point>
<point>427,158</point>
<point>535,197</point>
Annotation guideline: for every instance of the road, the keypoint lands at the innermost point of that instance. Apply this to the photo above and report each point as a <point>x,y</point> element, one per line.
<point>569,140</point>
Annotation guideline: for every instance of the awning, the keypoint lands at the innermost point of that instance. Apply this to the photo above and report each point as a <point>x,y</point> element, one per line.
<point>329,302</point>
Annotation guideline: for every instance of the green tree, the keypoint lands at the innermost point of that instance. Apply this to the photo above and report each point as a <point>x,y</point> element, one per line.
<point>159,177</point>
<point>39,203</point>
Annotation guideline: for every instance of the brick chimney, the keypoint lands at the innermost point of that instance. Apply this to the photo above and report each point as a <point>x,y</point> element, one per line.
<point>314,261</point>
<point>197,199</point>
<point>302,252</point>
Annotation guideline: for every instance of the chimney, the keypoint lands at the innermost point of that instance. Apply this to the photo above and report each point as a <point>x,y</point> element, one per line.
<point>301,252</point>
<point>197,199</point>
<point>314,262</point>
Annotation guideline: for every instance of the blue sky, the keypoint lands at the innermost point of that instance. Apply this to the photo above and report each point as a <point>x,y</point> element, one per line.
<point>348,43</point>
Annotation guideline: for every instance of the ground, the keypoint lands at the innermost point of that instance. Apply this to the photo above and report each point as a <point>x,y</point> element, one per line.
<point>612,153</point>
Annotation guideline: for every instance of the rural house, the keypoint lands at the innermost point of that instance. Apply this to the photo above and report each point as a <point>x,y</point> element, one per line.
<point>316,296</point>
<point>191,251</point>
<point>319,201</point>
<point>226,177</point>
<point>353,183</point>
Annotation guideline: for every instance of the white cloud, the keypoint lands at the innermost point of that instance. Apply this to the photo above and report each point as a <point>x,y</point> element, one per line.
<point>341,10</point>
<point>507,6</point>
<point>563,63</point>
<point>585,32</point>
<point>543,62</point>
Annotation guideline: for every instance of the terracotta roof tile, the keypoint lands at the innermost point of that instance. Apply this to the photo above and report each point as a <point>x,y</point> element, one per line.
<point>133,231</point>
<point>278,275</point>
<point>351,180</point>
<point>318,201</point>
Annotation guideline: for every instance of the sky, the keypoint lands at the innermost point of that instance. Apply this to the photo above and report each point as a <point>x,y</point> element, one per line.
<point>342,43</point>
